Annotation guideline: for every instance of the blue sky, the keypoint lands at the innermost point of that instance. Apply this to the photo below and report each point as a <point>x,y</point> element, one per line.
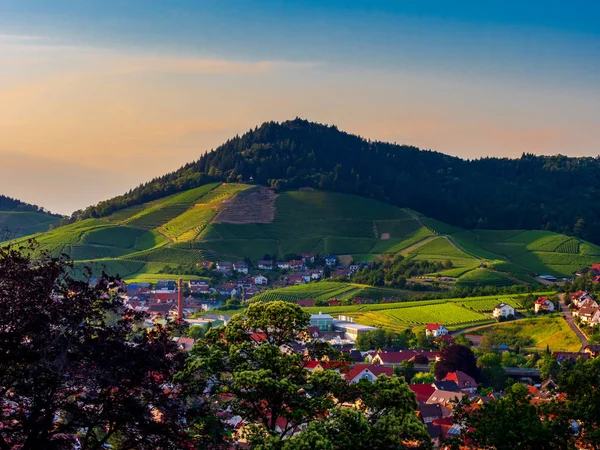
<point>93,88</point>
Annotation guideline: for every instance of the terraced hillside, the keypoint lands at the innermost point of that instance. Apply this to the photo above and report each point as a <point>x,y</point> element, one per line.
<point>235,221</point>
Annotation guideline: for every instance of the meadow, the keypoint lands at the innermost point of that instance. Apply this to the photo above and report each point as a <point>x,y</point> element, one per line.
<point>551,331</point>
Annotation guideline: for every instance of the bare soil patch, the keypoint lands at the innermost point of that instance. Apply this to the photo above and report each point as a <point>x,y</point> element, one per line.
<point>251,206</point>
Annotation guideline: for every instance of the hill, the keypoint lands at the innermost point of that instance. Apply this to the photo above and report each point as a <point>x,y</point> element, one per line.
<point>233,221</point>
<point>553,193</point>
<point>21,219</point>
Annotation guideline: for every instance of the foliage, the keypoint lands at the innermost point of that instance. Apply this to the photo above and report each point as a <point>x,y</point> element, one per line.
<point>75,363</point>
<point>511,422</point>
<point>456,357</point>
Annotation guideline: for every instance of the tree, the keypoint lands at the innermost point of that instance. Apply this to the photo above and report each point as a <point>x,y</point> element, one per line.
<point>454,358</point>
<point>76,365</point>
<point>463,340</point>
<point>511,422</point>
<point>406,370</point>
<point>548,366</point>
<point>268,388</point>
<point>385,420</point>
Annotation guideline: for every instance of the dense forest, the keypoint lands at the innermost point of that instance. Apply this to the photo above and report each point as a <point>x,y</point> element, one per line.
<point>12,204</point>
<point>555,193</point>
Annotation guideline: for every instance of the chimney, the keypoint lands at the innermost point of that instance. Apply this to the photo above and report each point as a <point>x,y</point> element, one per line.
<point>179,300</point>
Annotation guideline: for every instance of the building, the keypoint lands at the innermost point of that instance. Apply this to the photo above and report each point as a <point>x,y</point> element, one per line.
<point>224,266</point>
<point>265,264</point>
<point>199,286</point>
<point>367,372</point>
<point>543,304</point>
<point>261,280</point>
<point>322,321</point>
<point>350,329</point>
<point>464,382</point>
<point>306,303</point>
<point>435,330</point>
<point>331,260</point>
<point>503,310</point>
<point>241,267</point>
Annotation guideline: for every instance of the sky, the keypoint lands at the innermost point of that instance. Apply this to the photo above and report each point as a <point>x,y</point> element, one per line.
<point>99,96</point>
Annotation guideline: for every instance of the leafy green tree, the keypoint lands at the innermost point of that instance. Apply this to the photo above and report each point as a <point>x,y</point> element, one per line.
<point>264,385</point>
<point>511,422</point>
<point>385,420</point>
<point>548,366</point>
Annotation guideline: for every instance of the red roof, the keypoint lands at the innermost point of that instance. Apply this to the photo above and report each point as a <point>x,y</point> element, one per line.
<point>258,337</point>
<point>396,357</point>
<point>596,267</point>
<point>462,379</point>
<point>373,368</point>
<point>433,326</point>
<point>541,300</point>
<point>305,303</point>
<point>422,391</point>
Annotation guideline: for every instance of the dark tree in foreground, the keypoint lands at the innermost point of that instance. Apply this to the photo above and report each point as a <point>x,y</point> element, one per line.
<point>76,369</point>
<point>456,357</point>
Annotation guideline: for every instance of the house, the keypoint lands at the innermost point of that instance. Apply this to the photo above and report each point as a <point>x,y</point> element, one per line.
<point>260,280</point>
<point>587,313</point>
<point>428,412</point>
<point>295,279</point>
<point>307,303</point>
<point>475,339</point>
<point>331,260</point>
<point>447,339</point>
<point>464,382</point>
<point>198,286</point>
<point>503,310</point>
<point>393,358</point>
<point>295,265</point>
<point>322,321</point>
<point>314,332</point>
<point>543,304</point>
<point>422,391</point>
<point>315,274</point>
<point>265,264</point>
<point>367,372</point>
<point>159,309</point>
<point>593,350</point>
<point>307,257</point>
<point>241,267</point>
<point>165,286</point>
<point>224,266</point>
<point>283,265</point>
<point>571,356</point>
<point>166,297</point>
<point>334,302</point>
<point>435,330</point>
<point>445,385</point>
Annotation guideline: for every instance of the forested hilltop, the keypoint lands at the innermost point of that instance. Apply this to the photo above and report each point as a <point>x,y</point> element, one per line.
<point>554,193</point>
<point>12,204</point>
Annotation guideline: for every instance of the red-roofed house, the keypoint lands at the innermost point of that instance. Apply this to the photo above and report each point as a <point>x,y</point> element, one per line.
<point>334,302</point>
<point>543,304</point>
<point>435,330</point>
<point>305,303</point>
<point>464,382</point>
<point>166,297</point>
<point>314,332</point>
<point>422,391</point>
<point>367,372</point>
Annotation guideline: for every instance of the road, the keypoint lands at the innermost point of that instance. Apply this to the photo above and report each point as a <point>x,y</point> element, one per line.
<point>566,313</point>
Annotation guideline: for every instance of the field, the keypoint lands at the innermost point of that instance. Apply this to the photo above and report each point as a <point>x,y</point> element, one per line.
<point>327,290</point>
<point>454,313</point>
<point>545,331</point>
<point>233,221</point>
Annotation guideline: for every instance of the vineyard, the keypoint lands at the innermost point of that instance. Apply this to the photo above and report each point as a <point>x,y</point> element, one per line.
<point>485,277</point>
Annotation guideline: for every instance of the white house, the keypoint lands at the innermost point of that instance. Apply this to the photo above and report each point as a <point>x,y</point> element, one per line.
<point>503,310</point>
<point>543,304</point>
<point>331,260</point>
<point>283,265</point>
<point>264,264</point>
<point>260,279</point>
<point>240,266</point>
<point>435,330</point>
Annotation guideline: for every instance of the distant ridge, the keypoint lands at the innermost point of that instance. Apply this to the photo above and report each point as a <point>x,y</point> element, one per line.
<point>18,218</point>
<point>554,193</point>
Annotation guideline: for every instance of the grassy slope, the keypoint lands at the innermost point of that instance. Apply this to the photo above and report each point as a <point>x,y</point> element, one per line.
<point>178,229</point>
<point>18,223</point>
<point>545,331</point>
